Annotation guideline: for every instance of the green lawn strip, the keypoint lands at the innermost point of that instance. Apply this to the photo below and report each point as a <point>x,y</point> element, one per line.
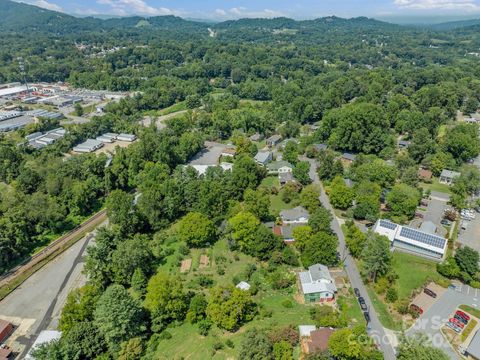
<point>471,325</point>
<point>277,204</point>
<point>174,108</point>
<point>382,311</point>
<point>351,308</point>
<point>7,289</point>
<point>470,310</point>
<point>270,181</point>
<point>413,271</point>
<point>436,186</point>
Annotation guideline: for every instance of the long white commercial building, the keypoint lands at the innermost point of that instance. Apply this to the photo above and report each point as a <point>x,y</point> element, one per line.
<point>411,240</point>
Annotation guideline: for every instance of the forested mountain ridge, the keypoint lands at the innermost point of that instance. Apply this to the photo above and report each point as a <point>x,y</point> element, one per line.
<point>19,17</point>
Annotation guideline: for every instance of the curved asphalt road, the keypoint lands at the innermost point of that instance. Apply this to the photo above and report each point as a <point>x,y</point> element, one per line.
<point>376,330</point>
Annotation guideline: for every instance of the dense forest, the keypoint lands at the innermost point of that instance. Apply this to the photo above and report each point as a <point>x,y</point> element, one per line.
<point>363,83</point>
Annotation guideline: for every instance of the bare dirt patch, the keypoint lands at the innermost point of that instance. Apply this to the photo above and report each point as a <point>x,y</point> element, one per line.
<point>186,265</point>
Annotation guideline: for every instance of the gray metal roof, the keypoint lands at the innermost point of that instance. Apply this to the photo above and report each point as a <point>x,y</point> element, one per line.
<point>319,271</point>
<point>449,174</point>
<point>474,346</point>
<point>263,156</point>
<point>274,166</point>
<point>294,214</point>
<point>285,177</point>
<point>349,156</point>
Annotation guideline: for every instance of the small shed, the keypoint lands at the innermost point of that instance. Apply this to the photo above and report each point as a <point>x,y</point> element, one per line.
<point>243,285</point>
<point>305,330</point>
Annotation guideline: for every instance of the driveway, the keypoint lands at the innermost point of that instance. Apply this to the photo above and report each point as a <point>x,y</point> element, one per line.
<point>438,314</point>
<point>471,236</point>
<point>376,330</point>
<point>209,155</point>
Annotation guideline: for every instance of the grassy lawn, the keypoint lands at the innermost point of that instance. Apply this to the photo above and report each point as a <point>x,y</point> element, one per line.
<point>174,108</point>
<point>413,271</point>
<point>351,308</point>
<point>470,310</point>
<point>381,309</point>
<point>277,204</point>
<point>436,186</point>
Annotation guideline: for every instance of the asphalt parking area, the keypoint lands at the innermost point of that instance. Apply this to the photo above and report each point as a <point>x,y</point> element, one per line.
<point>471,236</point>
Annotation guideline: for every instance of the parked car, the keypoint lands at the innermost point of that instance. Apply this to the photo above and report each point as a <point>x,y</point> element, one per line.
<point>461,319</point>
<point>419,215</point>
<point>357,292</point>
<point>430,292</point>
<point>453,327</point>
<point>369,225</point>
<point>462,314</point>
<point>457,323</point>
<point>362,303</point>
<point>367,316</point>
<point>464,225</point>
<point>446,222</point>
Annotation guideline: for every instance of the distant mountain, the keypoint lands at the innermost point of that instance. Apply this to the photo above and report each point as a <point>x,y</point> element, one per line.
<point>16,17</point>
<point>453,25</point>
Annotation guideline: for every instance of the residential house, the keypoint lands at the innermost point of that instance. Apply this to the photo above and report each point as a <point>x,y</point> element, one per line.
<point>317,284</point>
<point>403,144</point>
<point>286,231</point>
<point>279,167</point>
<point>424,174</point>
<point>285,177</point>
<point>421,242</point>
<point>348,158</point>
<point>286,141</point>
<point>263,157</point>
<point>297,215</point>
<point>273,140</point>
<point>256,137</point>
<point>448,176</point>
<point>229,152</point>
<point>320,147</point>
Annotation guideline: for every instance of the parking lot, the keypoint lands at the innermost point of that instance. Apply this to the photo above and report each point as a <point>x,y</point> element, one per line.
<point>210,155</point>
<point>432,320</point>
<point>471,235</point>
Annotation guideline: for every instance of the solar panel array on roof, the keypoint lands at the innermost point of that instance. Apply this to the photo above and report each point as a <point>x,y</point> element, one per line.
<point>424,238</point>
<point>388,225</point>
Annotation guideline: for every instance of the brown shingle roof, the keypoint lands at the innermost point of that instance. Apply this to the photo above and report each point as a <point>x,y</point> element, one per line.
<point>319,340</point>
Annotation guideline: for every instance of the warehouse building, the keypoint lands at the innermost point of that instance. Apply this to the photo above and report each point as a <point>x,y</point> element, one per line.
<point>88,146</point>
<point>416,241</point>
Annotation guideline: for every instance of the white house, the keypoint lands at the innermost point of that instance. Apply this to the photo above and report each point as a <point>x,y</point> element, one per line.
<point>448,176</point>
<point>317,284</point>
<point>297,215</point>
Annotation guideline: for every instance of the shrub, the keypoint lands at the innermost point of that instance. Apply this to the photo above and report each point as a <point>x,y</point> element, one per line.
<point>287,304</point>
<point>475,284</point>
<point>230,343</point>
<point>204,327</point>
<point>165,335</point>
<point>217,346</point>
<point>392,295</point>
<point>402,306</point>
<point>287,333</point>
<point>381,285</point>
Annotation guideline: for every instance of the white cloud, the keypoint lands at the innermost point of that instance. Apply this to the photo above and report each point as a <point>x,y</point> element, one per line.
<point>437,4</point>
<point>135,7</point>
<point>43,4</point>
<point>242,12</point>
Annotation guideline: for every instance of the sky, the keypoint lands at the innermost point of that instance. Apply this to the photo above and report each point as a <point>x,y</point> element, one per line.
<point>234,9</point>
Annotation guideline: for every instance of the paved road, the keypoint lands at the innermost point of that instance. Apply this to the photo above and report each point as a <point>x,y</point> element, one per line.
<point>376,330</point>
<point>37,303</point>
<point>433,319</point>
